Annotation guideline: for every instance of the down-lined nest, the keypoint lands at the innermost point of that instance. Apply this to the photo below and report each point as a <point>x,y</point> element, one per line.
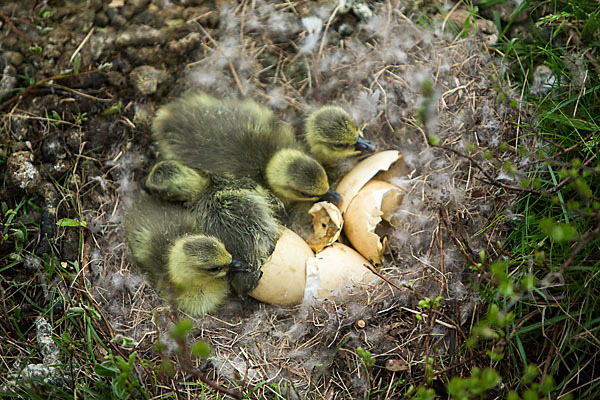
<point>274,54</point>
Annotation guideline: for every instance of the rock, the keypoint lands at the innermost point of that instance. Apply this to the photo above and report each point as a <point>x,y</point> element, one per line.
<point>73,139</point>
<point>95,5</point>
<point>504,11</point>
<point>345,29</point>
<point>544,81</point>
<point>362,10</point>
<point>118,21</point>
<point>22,172</point>
<point>52,150</point>
<point>133,7</point>
<point>143,114</point>
<point>101,20</point>
<point>116,78</point>
<point>8,81</point>
<point>140,37</point>
<point>101,44</point>
<point>144,18</point>
<point>14,58</point>
<point>184,45</point>
<point>145,79</point>
<point>143,55</point>
<point>56,168</point>
<point>19,127</point>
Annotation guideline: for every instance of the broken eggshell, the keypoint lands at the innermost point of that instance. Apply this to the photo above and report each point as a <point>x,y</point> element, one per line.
<point>365,170</point>
<point>284,273</point>
<point>334,268</point>
<point>327,225</point>
<point>377,200</point>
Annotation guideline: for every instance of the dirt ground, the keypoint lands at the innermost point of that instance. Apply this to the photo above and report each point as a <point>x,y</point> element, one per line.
<point>77,141</point>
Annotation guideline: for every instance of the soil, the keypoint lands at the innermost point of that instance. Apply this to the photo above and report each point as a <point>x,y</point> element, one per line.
<point>81,83</point>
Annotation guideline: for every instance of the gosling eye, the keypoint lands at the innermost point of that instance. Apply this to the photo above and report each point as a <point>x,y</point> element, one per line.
<point>304,194</point>
<point>339,145</point>
<point>215,269</point>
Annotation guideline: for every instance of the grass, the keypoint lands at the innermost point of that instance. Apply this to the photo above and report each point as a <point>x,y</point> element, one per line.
<point>539,333</point>
<point>556,237</point>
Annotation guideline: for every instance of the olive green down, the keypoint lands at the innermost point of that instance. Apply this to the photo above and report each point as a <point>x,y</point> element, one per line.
<point>239,212</point>
<point>241,138</point>
<point>331,134</point>
<point>185,266</point>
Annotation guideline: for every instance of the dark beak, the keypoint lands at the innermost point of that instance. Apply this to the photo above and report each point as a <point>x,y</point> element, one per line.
<point>239,266</point>
<point>332,196</point>
<point>365,145</point>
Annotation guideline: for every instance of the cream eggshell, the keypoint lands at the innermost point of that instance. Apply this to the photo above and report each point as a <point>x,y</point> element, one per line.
<point>334,268</point>
<point>327,225</point>
<point>363,172</point>
<point>376,200</point>
<point>284,273</point>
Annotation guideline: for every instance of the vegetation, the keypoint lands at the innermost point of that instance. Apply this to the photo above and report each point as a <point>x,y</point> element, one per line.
<point>542,324</point>
<point>539,332</point>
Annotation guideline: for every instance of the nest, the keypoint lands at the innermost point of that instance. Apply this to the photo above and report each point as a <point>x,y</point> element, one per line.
<point>296,57</point>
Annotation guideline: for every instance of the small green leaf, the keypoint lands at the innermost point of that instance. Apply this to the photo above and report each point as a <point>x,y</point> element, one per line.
<point>181,329</point>
<point>112,109</point>
<point>201,349</point>
<point>528,282</point>
<point>433,140</point>
<point>76,62</point>
<point>127,341</point>
<point>107,369</point>
<point>71,222</point>
<point>530,373</point>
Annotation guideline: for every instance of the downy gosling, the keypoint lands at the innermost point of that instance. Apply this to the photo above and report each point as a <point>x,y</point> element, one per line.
<point>243,139</point>
<point>183,265</point>
<point>332,135</point>
<point>239,212</point>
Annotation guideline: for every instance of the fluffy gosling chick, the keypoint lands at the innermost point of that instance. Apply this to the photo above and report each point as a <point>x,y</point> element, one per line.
<point>243,139</point>
<point>332,135</point>
<point>239,212</point>
<point>181,263</point>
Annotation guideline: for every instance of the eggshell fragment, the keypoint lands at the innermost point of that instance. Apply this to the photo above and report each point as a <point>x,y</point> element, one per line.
<point>284,274</point>
<point>376,200</point>
<point>333,268</point>
<point>327,225</point>
<point>363,172</point>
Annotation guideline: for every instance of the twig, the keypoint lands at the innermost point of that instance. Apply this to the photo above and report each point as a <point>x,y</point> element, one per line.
<point>455,240</point>
<point>568,178</point>
<point>491,179</point>
<point>83,42</point>
<point>15,29</point>
<point>373,270</point>
<point>43,82</point>
<point>324,38</point>
<point>586,239</point>
<point>187,364</point>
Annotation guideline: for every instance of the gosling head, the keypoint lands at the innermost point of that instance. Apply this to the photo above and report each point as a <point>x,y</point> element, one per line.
<point>172,181</point>
<point>295,176</point>
<point>198,259</point>
<point>332,135</point>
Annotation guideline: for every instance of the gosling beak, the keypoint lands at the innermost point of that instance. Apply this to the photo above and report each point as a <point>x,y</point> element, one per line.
<point>364,145</point>
<point>239,266</point>
<point>332,196</point>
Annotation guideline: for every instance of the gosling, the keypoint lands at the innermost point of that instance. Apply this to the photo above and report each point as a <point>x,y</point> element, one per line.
<point>332,135</point>
<point>239,212</point>
<point>243,139</point>
<point>184,265</point>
